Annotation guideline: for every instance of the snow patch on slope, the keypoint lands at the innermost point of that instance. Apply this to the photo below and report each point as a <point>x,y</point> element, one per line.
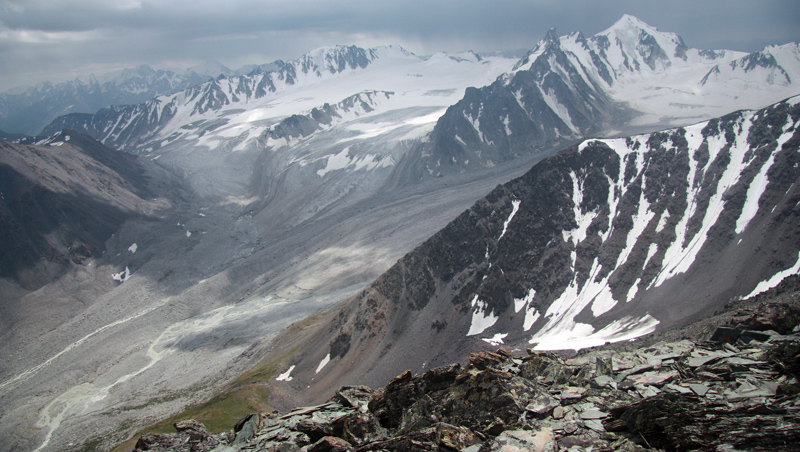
<point>514,208</point>
<point>759,184</point>
<point>776,279</point>
<point>323,363</point>
<point>286,376</point>
<point>496,340</point>
<point>482,318</point>
<point>122,276</point>
<point>679,256</point>
<point>582,335</point>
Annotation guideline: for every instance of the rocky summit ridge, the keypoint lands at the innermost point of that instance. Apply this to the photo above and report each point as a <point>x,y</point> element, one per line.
<point>733,387</point>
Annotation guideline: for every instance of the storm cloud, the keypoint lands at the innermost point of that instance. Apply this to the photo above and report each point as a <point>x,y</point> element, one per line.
<point>57,40</point>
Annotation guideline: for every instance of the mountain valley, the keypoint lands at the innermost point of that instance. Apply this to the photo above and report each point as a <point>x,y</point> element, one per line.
<point>357,212</point>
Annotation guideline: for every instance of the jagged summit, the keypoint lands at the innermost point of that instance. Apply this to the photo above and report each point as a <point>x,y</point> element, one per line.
<point>552,35</point>
<point>625,79</point>
<point>630,24</point>
<point>338,58</point>
<point>636,41</point>
<point>335,59</point>
<point>628,46</point>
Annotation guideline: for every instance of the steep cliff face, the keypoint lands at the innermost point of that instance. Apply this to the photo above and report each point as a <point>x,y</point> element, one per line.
<point>605,241</point>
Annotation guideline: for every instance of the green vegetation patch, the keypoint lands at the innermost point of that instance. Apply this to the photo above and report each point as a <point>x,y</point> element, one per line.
<point>222,411</point>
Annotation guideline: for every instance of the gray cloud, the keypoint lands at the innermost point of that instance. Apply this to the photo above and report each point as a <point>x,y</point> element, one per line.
<point>60,39</point>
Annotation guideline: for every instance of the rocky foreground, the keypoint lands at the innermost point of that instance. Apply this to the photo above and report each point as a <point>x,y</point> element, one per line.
<point>733,388</point>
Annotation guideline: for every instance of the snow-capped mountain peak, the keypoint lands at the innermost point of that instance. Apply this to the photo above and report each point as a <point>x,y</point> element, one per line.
<point>340,58</point>
<point>628,78</point>
<point>628,46</point>
<point>330,91</point>
<point>633,44</point>
<point>632,25</point>
<point>335,59</point>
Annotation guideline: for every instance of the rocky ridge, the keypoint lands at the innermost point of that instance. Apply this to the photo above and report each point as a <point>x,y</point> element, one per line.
<point>734,387</point>
<point>140,128</point>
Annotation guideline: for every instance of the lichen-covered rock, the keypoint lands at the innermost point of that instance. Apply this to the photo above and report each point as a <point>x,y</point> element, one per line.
<point>542,440</point>
<point>359,428</point>
<point>354,396</point>
<point>330,444</point>
<point>781,317</point>
<point>246,428</point>
<point>679,422</point>
<point>404,390</point>
<point>191,436</point>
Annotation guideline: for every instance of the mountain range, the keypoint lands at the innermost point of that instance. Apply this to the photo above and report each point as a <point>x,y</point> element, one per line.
<point>27,110</point>
<point>243,205</point>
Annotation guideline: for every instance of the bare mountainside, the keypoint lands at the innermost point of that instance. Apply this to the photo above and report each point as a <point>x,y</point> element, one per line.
<point>60,201</point>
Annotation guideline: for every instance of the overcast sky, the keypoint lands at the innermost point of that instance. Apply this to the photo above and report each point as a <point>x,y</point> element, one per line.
<point>57,40</point>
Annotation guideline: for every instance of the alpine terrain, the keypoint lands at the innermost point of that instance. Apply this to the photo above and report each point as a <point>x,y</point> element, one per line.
<point>605,241</point>
<point>28,110</point>
<point>151,276</point>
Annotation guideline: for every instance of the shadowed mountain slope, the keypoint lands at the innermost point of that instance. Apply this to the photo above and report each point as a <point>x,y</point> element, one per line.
<point>61,200</point>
